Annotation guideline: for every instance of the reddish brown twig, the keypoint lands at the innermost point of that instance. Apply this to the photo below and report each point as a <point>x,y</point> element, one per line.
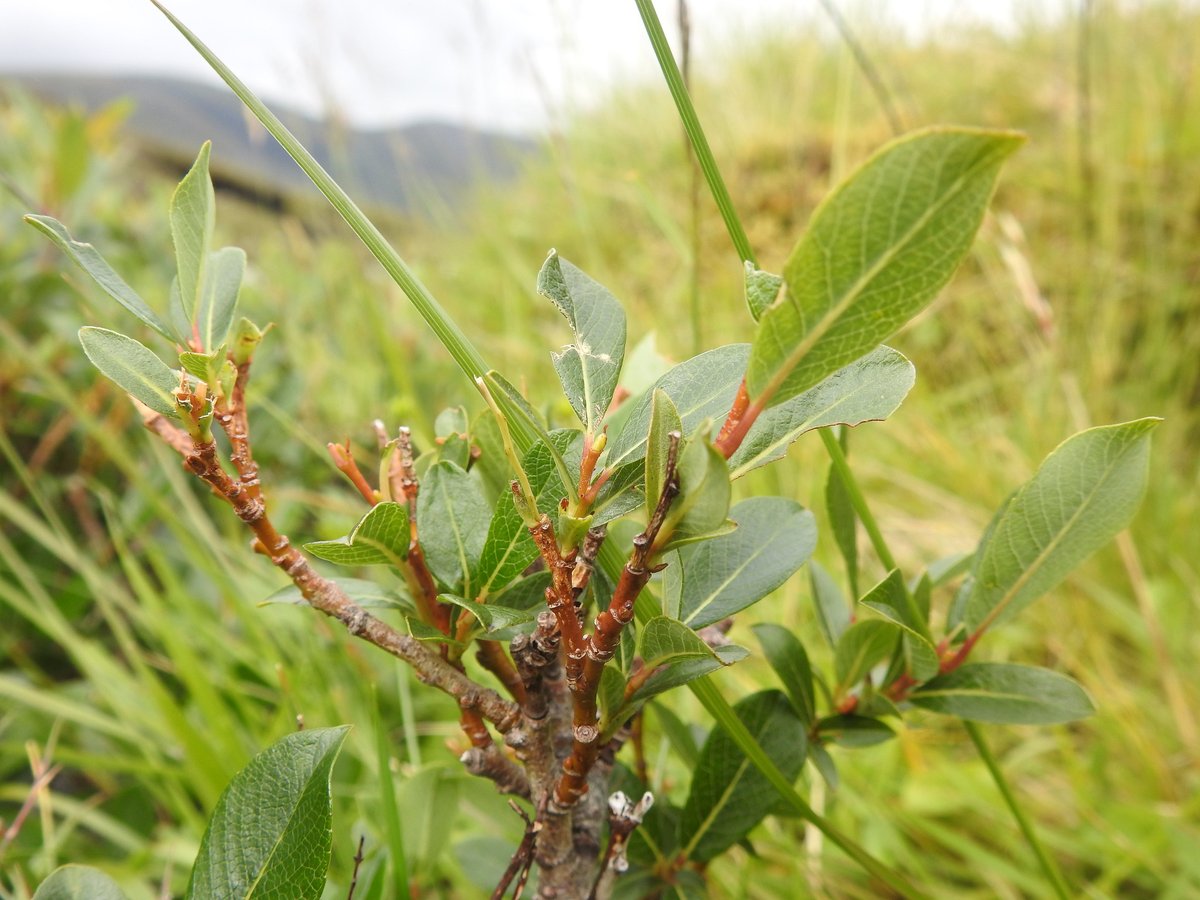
<point>358,861</point>
<point>560,597</point>
<point>344,460</point>
<point>230,414</point>
<point>603,642</point>
<point>742,416</point>
<point>427,593</point>
<point>493,658</point>
<point>327,597</point>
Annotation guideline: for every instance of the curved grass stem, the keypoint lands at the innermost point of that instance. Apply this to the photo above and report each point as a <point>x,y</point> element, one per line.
<point>1045,862</point>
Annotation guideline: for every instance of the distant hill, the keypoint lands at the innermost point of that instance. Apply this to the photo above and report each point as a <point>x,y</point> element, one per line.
<point>401,168</point>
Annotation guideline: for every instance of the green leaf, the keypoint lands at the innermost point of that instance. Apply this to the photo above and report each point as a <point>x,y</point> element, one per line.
<point>664,420</point>
<point>202,366</point>
<point>663,640</point>
<point>219,298</point>
<point>366,594</point>
<point>611,694</point>
<point>877,251</point>
<point>507,548</point>
<point>1082,495</point>
<point>89,259</point>
<point>761,290</point>
<point>704,493</point>
<point>271,832</point>
<point>789,660</point>
<point>453,516</point>
<point>78,883</point>
<point>679,735</point>
<point>833,612</point>
<point>380,538</point>
<point>423,631</point>
<point>863,646</point>
<point>1006,694</point>
<point>515,406</point>
<point>492,616</point>
<point>920,656</point>
<point>193,215</point>
<point>774,538</point>
<point>451,421</point>
<point>132,367</point>
<point>855,731</point>
<point>682,670</point>
<point>729,796</point>
<point>701,388</point>
<point>590,367</point>
<point>843,522</point>
<point>867,390</point>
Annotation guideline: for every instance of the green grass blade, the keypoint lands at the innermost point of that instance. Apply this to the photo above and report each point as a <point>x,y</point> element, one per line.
<point>447,331</point>
<point>718,707</point>
<point>691,124</point>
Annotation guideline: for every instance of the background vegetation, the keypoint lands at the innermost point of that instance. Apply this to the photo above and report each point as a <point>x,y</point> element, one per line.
<point>134,656</point>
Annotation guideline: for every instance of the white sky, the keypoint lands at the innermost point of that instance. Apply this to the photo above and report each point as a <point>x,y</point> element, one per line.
<point>507,64</point>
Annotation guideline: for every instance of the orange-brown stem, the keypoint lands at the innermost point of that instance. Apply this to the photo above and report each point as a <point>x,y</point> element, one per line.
<point>728,443</point>
<point>231,416</point>
<point>344,460</point>
<point>493,658</point>
<point>603,643</point>
<point>560,597</point>
<point>740,402</point>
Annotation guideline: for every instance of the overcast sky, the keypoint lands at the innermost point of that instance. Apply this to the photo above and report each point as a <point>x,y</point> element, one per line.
<point>509,64</point>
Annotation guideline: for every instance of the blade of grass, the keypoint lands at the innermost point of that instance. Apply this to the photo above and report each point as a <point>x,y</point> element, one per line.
<point>444,327</point>
<point>387,793</point>
<point>718,707</point>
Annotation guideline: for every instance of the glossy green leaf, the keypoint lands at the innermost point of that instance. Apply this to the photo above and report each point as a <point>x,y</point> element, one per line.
<point>492,616</point>
<point>729,796</point>
<point>855,731</point>
<point>862,647</point>
<point>788,658</point>
<point>1082,495</point>
<point>663,640</point>
<point>1007,694</point>
<point>516,407</point>
<point>714,579</point>
<point>887,599</point>
<point>89,259</point>
<point>78,883</point>
<point>219,295</point>
<point>876,252</point>
<point>453,516</point>
<point>380,538</point>
<point>590,367</point>
<point>611,694</point>
<point>843,522</point>
<point>701,388</point>
<point>423,631</point>
<point>681,670</point>
<point>833,611</point>
<point>132,367</point>
<point>704,494</point>
<point>508,549</point>
<point>867,390</point>
<point>761,290</point>
<point>193,215</point>
<point>664,421</point>
<point>271,832</point>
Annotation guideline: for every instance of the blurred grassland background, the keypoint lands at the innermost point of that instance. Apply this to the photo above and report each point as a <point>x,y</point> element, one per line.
<point>132,652</point>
